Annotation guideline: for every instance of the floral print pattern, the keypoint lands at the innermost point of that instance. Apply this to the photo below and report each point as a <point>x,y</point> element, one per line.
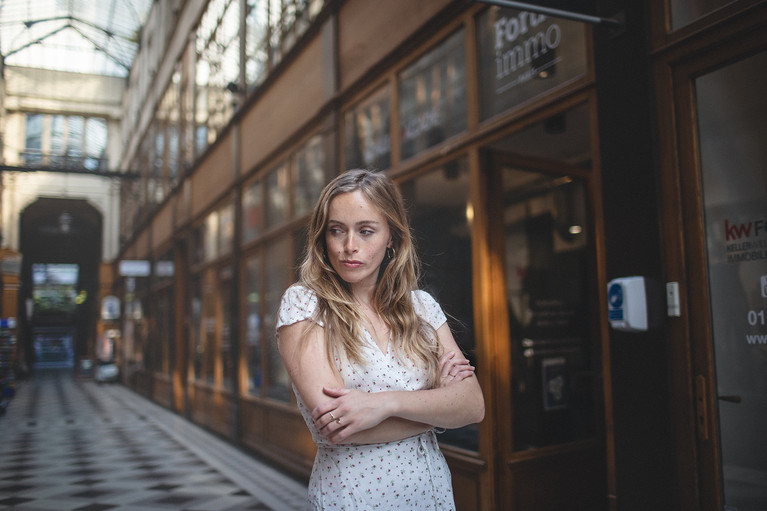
<point>406,474</point>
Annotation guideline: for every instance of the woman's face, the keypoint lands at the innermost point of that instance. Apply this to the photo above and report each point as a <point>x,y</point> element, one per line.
<point>357,235</point>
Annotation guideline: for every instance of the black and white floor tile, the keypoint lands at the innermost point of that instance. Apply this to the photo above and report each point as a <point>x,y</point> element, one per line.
<point>68,444</point>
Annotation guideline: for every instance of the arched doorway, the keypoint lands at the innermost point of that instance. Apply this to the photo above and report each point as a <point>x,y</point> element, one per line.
<point>60,242</point>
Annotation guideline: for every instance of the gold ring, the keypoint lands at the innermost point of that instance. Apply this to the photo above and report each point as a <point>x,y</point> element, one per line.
<point>331,417</point>
<point>338,420</point>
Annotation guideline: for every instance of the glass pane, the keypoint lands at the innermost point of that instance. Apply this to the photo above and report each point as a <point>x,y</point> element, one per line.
<point>226,227</point>
<point>367,142</point>
<point>684,12</point>
<point>438,202</point>
<point>95,143</point>
<point>75,127</point>
<point>278,258</point>
<point>564,137</point>
<point>433,97</point>
<point>253,323</point>
<point>209,345</point>
<point>211,236</point>
<point>310,173</point>
<point>226,308</point>
<point>548,297</point>
<point>251,212</point>
<point>277,196</point>
<point>732,131</point>
<point>33,143</point>
<point>196,339</point>
<point>256,38</point>
<point>523,55</point>
<point>58,140</point>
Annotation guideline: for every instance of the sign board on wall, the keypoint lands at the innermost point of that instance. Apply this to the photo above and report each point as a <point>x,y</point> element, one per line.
<point>134,268</point>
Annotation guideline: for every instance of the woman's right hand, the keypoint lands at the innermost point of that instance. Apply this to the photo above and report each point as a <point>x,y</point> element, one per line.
<point>454,368</point>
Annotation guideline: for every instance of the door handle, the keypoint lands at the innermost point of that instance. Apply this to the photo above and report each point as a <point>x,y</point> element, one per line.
<point>730,399</point>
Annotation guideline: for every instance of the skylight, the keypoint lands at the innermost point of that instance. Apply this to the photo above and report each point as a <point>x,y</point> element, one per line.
<point>84,36</point>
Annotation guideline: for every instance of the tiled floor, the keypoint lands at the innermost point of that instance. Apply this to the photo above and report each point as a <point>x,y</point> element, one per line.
<point>68,444</point>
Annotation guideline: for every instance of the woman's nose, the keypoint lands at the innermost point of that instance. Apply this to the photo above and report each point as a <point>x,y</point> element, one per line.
<point>351,244</point>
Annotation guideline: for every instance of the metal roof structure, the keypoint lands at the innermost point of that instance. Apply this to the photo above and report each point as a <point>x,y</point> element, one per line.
<point>83,36</point>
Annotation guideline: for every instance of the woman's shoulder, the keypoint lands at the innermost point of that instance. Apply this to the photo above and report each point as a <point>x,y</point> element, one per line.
<point>428,308</point>
<point>298,303</point>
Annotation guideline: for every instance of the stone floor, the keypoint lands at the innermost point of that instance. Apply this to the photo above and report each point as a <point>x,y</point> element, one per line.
<point>69,444</point>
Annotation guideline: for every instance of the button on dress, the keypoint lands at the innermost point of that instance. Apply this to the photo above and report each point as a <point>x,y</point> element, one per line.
<point>407,474</point>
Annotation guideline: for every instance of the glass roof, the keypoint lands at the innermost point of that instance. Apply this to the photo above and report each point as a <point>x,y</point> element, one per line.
<point>84,36</point>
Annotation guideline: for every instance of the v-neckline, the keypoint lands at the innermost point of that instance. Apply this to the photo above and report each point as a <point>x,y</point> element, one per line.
<point>372,340</point>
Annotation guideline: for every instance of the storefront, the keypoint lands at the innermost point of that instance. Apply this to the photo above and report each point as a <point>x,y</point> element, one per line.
<point>540,157</point>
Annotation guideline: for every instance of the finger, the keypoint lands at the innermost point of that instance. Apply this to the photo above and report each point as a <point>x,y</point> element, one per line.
<point>334,391</point>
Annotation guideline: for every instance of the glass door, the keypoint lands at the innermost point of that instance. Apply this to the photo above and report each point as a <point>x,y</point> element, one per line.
<point>552,453</point>
<point>731,112</point>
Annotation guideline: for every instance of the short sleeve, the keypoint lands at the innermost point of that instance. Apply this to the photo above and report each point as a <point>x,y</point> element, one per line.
<point>298,304</point>
<point>427,308</point>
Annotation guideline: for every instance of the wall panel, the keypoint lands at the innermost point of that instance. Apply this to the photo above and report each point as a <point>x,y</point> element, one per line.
<point>291,101</point>
<point>369,31</point>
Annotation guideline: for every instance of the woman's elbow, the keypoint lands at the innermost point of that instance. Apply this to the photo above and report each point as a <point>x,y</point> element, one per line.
<point>478,411</point>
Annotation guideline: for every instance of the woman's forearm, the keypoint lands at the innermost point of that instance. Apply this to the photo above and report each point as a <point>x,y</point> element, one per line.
<point>390,430</point>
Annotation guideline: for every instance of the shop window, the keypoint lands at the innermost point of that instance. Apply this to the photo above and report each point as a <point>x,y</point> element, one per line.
<point>277,278</point>
<point>310,173</point>
<point>523,55</point>
<point>367,140</point>
<point>277,196</point>
<point>441,216</point>
<point>252,211</point>
<point>253,323</point>
<point>684,12</point>
<point>432,95</point>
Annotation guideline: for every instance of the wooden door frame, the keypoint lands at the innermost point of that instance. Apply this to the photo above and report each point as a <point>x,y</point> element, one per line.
<point>692,377</point>
<point>506,459</point>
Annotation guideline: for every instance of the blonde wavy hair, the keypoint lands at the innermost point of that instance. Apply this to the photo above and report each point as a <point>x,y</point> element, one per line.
<point>411,336</point>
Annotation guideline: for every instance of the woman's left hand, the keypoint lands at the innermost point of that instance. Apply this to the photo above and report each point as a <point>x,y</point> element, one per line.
<point>349,411</point>
<point>454,368</point>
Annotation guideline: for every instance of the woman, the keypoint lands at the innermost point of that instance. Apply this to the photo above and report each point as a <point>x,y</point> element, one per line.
<point>374,365</point>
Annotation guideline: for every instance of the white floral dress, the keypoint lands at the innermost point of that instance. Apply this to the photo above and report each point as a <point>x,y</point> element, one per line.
<point>407,474</point>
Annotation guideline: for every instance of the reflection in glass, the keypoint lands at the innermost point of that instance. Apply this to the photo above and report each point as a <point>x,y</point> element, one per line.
<point>226,229</point>
<point>433,97</point>
<point>438,202</point>
<point>253,326</point>
<point>684,12</point>
<point>277,258</point>
<point>211,236</point>
<point>209,345</point>
<point>548,297</point>
<point>196,347</point>
<point>252,212</point>
<point>310,173</point>
<point>277,196</point>
<point>367,143</point>
<point>731,113</point>
<point>226,310</point>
